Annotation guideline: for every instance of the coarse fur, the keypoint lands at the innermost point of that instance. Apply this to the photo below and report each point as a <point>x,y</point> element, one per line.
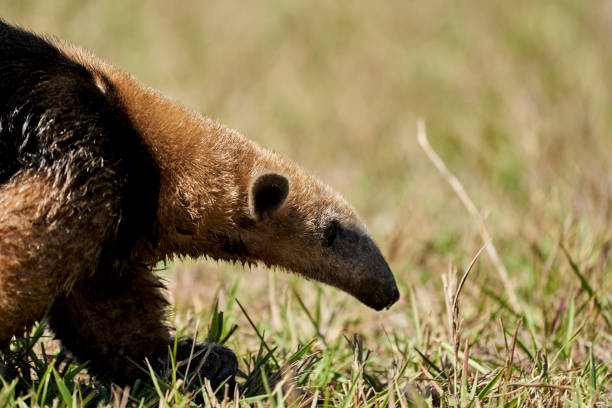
<point>101,177</point>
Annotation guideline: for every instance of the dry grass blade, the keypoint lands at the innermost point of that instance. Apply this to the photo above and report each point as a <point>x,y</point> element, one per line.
<point>542,385</point>
<point>510,354</point>
<point>465,275</point>
<point>469,205</point>
<point>193,343</point>
<point>452,291</point>
<point>120,396</point>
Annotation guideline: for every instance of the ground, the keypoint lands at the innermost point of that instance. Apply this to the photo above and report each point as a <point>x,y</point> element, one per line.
<point>517,102</point>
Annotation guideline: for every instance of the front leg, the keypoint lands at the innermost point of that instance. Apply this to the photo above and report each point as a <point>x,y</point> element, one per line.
<point>115,320</point>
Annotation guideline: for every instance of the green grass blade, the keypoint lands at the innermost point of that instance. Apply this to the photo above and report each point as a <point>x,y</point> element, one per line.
<point>593,370</point>
<point>431,364</point>
<point>7,393</point>
<point>301,352</point>
<point>574,267</point>
<point>261,337</point>
<point>63,389</point>
<point>492,384</point>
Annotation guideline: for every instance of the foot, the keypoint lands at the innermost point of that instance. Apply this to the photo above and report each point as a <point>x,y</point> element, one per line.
<point>216,363</point>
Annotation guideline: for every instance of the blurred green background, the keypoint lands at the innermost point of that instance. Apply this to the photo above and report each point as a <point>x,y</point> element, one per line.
<point>516,97</point>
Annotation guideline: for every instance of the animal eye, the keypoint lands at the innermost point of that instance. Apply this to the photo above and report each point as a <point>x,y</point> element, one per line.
<point>331,232</point>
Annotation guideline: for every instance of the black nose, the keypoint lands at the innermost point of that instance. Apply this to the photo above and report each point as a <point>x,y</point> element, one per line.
<point>382,297</point>
<point>388,297</point>
<point>394,296</point>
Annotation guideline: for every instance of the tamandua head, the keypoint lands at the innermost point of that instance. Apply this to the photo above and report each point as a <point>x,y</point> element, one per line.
<point>225,197</point>
<point>282,218</point>
<point>302,225</point>
<point>230,199</point>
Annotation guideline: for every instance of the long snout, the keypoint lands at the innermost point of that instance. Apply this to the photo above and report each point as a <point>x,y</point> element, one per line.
<point>379,290</point>
<point>357,267</point>
<point>376,285</point>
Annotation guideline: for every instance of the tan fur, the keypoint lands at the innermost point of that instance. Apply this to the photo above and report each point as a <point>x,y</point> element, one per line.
<point>39,222</point>
<point>206,170</point>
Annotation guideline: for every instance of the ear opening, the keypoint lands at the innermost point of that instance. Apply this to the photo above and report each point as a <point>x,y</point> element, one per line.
<point>267,194</point>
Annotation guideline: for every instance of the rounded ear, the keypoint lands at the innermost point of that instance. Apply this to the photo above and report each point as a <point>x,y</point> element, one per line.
<point>267,193</point>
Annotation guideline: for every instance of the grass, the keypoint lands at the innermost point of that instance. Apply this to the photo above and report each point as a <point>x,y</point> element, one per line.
<point>517,99</point>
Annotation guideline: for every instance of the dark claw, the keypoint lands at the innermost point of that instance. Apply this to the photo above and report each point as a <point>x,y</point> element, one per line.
<point>219,365</point>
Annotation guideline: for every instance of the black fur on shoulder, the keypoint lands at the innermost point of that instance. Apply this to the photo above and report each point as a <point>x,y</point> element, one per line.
<point>53,119</point>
